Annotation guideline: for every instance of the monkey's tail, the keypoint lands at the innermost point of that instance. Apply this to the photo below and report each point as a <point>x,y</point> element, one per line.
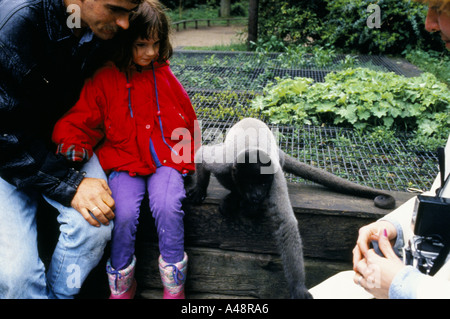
<point>336,183</point>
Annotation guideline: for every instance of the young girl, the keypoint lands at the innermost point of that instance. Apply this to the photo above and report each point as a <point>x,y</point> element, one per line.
<point>147,124</point>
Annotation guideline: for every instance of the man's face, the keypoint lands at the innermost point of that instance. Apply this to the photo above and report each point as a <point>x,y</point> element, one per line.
<point>105,17</point>
<point>439,20</point>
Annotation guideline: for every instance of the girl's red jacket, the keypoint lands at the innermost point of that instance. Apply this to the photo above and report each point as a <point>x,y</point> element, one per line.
<point>119,119</point>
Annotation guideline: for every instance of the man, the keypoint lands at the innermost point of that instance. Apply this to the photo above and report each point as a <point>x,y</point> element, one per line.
<point>438,20</point>
<point>47,49</point>
<point>387,276</point>
<point>398,280</point>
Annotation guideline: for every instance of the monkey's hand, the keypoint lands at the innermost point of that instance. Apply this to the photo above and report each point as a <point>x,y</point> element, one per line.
<point>195,196</point>
<point>229,206</point>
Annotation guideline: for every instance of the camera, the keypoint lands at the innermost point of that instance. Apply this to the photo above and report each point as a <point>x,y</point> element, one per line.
<point>428,249</point>
<point>422,253</point>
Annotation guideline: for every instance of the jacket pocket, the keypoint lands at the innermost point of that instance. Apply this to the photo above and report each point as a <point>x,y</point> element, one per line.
<point>119,128</point>
<point>173,122</point>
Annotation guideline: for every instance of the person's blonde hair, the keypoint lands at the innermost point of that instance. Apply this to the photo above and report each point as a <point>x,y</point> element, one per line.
<point>443,5</point>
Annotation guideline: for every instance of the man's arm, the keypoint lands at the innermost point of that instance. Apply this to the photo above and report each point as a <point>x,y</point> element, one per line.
<point>26,163</point>
<point>25,160</point>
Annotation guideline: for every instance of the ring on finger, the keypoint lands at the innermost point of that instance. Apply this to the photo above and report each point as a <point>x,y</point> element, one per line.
<point>92,210</point>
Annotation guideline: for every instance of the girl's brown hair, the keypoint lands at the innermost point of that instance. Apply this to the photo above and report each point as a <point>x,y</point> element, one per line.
<point>149,22</point>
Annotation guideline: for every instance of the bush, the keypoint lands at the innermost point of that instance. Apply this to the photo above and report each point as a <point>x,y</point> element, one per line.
<point>239,9</point>
<point>292,22</point>
<point>402,26</point>
<point>343,24</point>
<point>365,100</point>
<point>187,4</point>
<point>434,62</point>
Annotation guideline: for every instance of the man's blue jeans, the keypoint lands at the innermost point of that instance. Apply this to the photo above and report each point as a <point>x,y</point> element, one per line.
<point>79,249</point>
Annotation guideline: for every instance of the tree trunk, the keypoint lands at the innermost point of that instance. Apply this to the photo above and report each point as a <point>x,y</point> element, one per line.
<point>225,8</point>
<point>252,22</point>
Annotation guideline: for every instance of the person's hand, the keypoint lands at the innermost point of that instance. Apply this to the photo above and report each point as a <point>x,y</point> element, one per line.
<point>375,273</point>
<point>369,233</point>
<point>94,197</point>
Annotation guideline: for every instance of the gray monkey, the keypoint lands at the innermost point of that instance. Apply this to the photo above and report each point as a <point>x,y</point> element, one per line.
<point>250,165</point>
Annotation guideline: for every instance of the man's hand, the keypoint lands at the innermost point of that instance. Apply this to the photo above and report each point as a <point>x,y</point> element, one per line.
<point>94,197</point>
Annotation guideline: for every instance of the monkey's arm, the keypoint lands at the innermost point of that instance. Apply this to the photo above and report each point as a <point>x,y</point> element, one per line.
<point>336,183</point>
<point>208,160</point>
<point>197,194</point>
<point>287,237</point>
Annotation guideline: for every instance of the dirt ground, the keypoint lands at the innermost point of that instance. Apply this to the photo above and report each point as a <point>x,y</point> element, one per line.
<point>208,36</point>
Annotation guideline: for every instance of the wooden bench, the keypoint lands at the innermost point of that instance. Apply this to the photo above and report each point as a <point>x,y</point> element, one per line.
<point>208,22</point>
<point>231,260</point>
<point>228,259</point>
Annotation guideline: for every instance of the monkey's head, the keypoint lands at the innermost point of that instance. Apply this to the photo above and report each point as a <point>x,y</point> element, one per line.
<point>251,180</point>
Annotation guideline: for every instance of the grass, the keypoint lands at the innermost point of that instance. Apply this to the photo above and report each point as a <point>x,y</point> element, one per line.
<point>233,47</point>
<point>437,63</point>
<point>206,11</point>
<point>201,12</point>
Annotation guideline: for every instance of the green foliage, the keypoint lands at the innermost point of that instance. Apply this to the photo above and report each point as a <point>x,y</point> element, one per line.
<point>205,9</point>
<point>187,4</point>
<point>239,9</point>
<point>434,62</point>
<point>255,70</point>
<point>222,105</point>
<point>402,26</point>
<point>287,21</point>
<point>343,24</point>
<point>365,100</point>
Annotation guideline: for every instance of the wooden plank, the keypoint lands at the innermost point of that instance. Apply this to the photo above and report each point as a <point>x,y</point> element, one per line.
<point>156,293</point>
<point>318,199</point>
<point>208,22</point>
<point>235,259</point>
<point>230,259</point>
<point>328,223</point>
<point>225,274</point>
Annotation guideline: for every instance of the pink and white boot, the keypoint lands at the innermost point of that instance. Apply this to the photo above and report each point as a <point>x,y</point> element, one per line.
<point>173,277</point>
<point>121,282</point>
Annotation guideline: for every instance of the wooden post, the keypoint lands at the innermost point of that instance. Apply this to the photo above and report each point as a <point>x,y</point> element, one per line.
<point>252,22</point>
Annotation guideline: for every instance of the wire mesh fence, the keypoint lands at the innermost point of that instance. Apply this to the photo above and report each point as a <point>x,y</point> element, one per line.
<point>252,60</point>
<point>222,85</point>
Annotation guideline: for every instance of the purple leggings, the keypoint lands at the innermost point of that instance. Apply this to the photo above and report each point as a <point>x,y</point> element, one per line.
<point>165,192</point>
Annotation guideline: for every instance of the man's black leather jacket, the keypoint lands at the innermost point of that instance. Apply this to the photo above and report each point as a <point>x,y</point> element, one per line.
<point>42,70</point>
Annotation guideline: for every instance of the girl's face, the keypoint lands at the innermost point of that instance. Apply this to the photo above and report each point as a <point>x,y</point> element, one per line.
<point>438,20</point>
<point>145,51</point>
